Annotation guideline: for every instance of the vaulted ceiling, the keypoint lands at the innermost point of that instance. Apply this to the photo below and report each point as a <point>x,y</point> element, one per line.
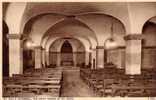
<point>88,21</point>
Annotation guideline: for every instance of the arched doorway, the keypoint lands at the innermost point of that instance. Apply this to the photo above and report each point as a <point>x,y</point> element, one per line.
<point>66,54</point>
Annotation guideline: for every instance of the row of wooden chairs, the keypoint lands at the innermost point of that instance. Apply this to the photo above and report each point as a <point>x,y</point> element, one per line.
<point>34,82</point>
<point>114,82</point>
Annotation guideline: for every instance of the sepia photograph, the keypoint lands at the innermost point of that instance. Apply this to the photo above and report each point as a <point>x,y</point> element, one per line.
<point>78,49</point>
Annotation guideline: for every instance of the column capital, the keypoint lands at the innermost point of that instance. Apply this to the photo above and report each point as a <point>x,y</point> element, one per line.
<point>14,36</point>
<point>99,47</point>
<point>121,47</point>
<point>134,37</point>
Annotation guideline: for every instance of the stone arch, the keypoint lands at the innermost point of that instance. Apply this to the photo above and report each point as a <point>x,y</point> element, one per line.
<point>69,21</point>
<point>26,23</point>
<point>77,17</point>
<point>104,33</point>
<point>27,26</point>
<point>105,14</point>
<point>72,45</point>
<point>138,17</point>
<point>94,9</point>
<point>151,19</point>
<point>149,44</point>
<point>65,45</point>
<point>82,40</point>
<point>14,19</point>
<point>66,55</point>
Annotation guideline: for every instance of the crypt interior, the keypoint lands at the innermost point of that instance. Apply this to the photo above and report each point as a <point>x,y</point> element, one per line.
<point>79,49</point>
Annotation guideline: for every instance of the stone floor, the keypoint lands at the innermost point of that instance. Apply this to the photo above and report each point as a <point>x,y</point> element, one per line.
<point>73,85</point>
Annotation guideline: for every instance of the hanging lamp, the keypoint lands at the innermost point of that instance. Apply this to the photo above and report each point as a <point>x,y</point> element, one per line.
<point>111,43</point>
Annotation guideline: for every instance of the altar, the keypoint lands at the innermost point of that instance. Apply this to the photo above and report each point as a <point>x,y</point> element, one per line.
<point>67,63</point>
<point>67,59</point>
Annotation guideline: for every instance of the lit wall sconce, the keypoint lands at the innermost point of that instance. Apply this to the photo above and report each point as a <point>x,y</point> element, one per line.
<point>28,44</point>
<point>110,44</point>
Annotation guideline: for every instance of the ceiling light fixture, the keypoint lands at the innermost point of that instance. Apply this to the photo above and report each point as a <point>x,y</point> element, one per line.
<point>111,43</point>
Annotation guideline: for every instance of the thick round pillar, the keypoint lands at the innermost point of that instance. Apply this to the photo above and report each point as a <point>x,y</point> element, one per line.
<point>15,54</point>
<point>86,58</point>
<point>43,57</point>
<point>47,58</point>
<point>74,58</point>
<point>100,56</point>
<point>58,59</point>
<point>38,57</point>
<point>133,54</point>
<point>93,59</point>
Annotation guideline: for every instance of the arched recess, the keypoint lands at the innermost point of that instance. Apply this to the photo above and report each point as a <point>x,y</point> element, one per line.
<point>149,44</point>
<point>5,55</point>
<point>66,47</point>
<point>66,54</point>
<point>67,58</point>
<point>78,52</point>
<point>57,44</point>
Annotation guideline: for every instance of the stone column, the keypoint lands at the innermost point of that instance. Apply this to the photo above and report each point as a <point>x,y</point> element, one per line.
<point>38,57</point>
<point>15,54</point>
<point>47,58</point>
<point>58,59</point>
<point>93,59</point>
<point>133,53</point>
<point>100,56</point>
<point>105,56</point>
<point>86,58</point>
<point>43,57</point>
<point>90,59</point>
<point>74,58</point>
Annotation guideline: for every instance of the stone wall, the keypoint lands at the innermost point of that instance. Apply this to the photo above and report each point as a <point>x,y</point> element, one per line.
<point>149,57</point>
<point>53,58</point>
<point>80,58</point>
<point>117,57</point>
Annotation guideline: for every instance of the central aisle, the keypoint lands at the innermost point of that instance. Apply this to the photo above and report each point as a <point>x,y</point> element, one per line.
<point>73,85</point>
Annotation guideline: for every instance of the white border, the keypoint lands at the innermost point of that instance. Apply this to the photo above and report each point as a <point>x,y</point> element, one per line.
<point>86,98</point>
